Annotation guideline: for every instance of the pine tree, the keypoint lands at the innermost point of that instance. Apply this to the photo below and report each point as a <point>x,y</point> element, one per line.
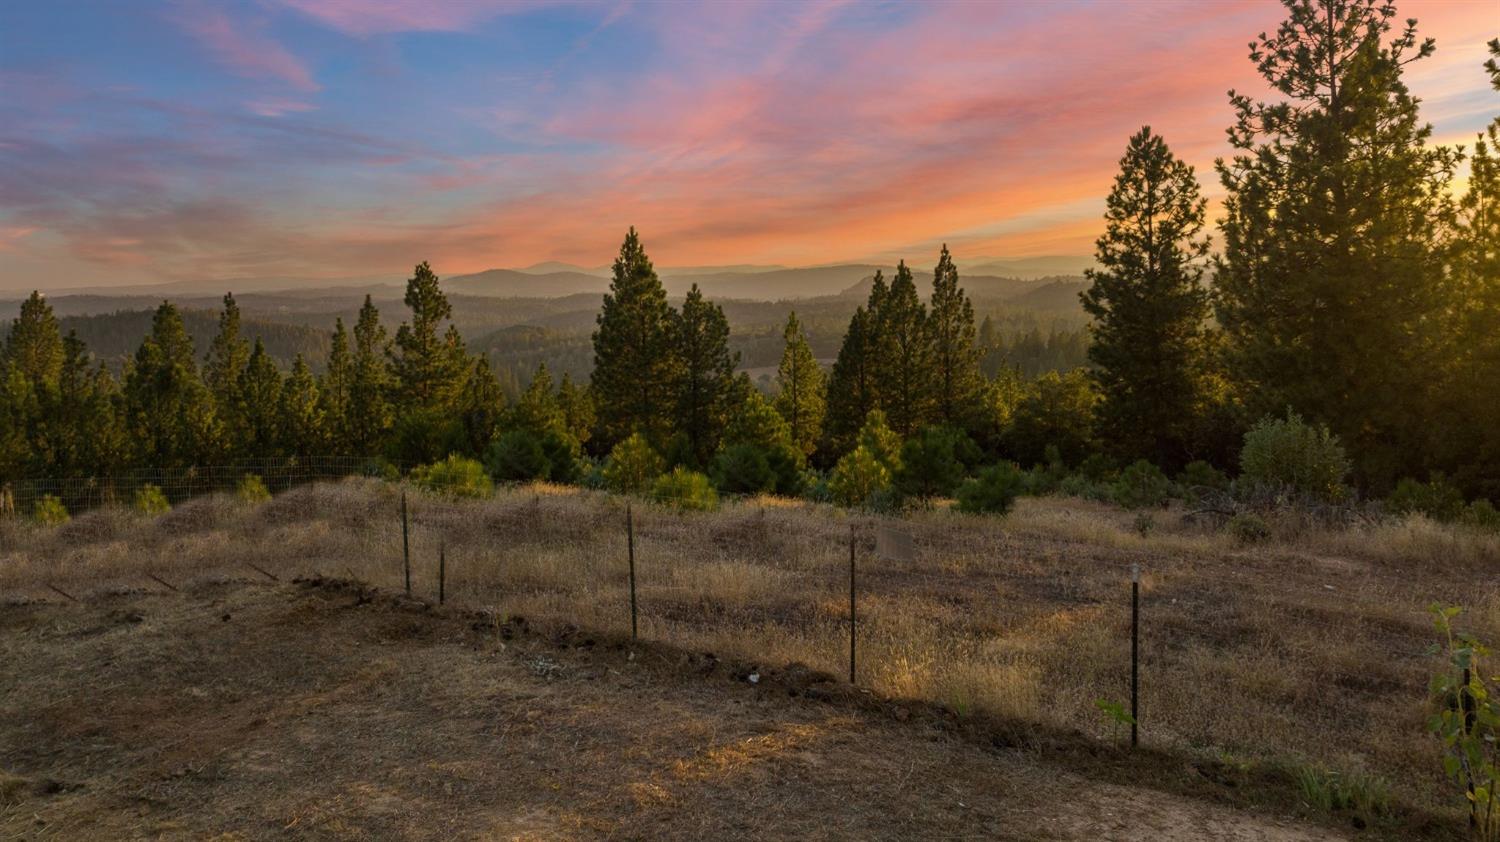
<point>31,361</point>
<point>260,404</point>
<point>1149,306</point>
<point>429,367</point>
<point>904,359</point>
<point>226,360</point>
<point>704,390</point>
<point>335,392</point>
<point>480,405</point>
<point>1330,288</point>
<point>87,438</point>
<point>577,405</point>
<point>853,385</point>
<point>1468,426</point>
<point>538,410</point>
<point>634,364</point>
<point>302,431</point>
<point>801,399</point>
<point>370,411</point>
<point>955,353</point>
<point>168,410</point>
<point>34,346</point>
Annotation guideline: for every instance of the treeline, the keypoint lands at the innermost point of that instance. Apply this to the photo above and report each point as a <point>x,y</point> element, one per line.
<point>1351,288</point>
<point>112,337</point>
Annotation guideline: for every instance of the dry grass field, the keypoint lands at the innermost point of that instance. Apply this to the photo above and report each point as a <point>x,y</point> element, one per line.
<point>248,707</point>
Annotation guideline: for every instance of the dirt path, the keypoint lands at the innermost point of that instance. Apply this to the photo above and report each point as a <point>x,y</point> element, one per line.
<point>248,712</point>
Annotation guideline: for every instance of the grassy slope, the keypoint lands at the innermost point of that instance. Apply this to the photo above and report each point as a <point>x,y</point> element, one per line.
<point>1305,652</point>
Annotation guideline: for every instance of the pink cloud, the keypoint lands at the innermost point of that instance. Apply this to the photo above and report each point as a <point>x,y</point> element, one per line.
<point>373,17</point>
<point>243,46</point>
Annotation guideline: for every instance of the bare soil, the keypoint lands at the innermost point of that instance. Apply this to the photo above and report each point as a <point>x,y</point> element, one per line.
<point>325,709</point>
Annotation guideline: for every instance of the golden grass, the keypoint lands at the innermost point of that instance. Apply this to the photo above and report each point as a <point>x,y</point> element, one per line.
<point>1313,647</point>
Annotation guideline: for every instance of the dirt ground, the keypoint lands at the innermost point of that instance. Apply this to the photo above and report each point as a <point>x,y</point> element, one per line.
<point>249,710</point>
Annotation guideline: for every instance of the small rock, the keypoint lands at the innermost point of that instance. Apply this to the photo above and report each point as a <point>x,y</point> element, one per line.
<point>753,678</point>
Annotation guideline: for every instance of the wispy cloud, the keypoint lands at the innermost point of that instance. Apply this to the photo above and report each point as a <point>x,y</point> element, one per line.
<point>242,45</point>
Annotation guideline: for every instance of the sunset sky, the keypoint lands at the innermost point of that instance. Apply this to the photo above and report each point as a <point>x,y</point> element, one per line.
<point>335,138</point>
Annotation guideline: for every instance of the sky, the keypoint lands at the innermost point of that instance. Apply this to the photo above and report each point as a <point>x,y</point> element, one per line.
<point>320,139</point>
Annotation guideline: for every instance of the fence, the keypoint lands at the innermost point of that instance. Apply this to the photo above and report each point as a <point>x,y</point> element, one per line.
<point>1035,617</point>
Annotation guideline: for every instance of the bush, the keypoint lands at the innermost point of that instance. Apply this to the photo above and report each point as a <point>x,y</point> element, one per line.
<point>517,456</point>
<point>743,469</point>
<point>858,478</point>
<point>1482,514</point>
<point>150,501</point>
<point>565,461</point>
<point>881,441</point>
<point>632,466</point>
<point>1248,529</point>
<point>49,511</point>
<point>1199,475</point>
<point>685,489</point>
<point>251,490</point>
<point>1078,485</point>
<point>932,462</point>
<point>994,491</point>
<point>1141,486</point>
<point>455,476</point>
<point>1047,476</point>
<point>1288,456</point>
<point>1436,499</point>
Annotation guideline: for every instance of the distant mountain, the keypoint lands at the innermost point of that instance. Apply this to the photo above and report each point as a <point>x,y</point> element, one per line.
<point>773,285</point>
<point>1029,268</point>
<point>515,283</point>
<point>1052,294</point>
<point>551,267</point>
<point>175,289</point>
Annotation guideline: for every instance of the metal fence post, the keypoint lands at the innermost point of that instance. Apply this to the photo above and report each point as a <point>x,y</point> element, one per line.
<point>630,549</point>
<point>852,618</point>
<point>442,570</point>
<point>405,544</point>
<point>1135,652</point>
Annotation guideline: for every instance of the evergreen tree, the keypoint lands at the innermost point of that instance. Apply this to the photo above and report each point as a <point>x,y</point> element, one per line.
<point>635,368</point>
<point>955,353</point>
<point>577,405</point>
<point>1469,424</point>
<point>260,404</point>
<point>538,409</point>
<point>904,359</point>
<point>480,405</point>
<point>87,438</point>
<point>1330,288</point>
<point>227,356</point>
<point>853,385</point>
<point>801,399</point>
<point>302,432</point>
<point>1149,306</point>
<point>31,362</point>
<point>168,410</point>
<point>429,367</point>
<point>335,392</point>
<point>705,383</point>
<point>370,411</point>
<point>34,346</point>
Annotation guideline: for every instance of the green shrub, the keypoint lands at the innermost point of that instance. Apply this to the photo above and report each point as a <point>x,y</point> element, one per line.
<point>877,437</point>
<point>1047,476</point>
<point>1248,528</point>
<point>251,490</point>
<point>1078,485</point>
<point>517,456</point>
<point>994,491</point>
<point>685,489</point>
<point>932,462</point>
<point>858,478</point>
<point>49,511</point>
<point>455,476</point>
<point>1482,514</point>
<point>1288,456</point>
<point>1141,486</point>
<point>379,468</point>
<point>1437,499</point>
<point>632,466</point>
<point>565,461</point>
<point>150,501</point>
<point>1098,468</point>
<point>1201,475</point>
<point>743,469</point>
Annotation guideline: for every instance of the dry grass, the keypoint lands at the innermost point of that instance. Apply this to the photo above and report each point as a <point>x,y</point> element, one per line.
<point>1311,648</point>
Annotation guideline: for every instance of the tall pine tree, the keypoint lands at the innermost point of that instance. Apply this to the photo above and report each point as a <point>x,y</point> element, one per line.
<point>1330,287</point>
<point>335,391</point>
<point>1149,306</point>
<point>370,410</point>
<point>853,386</point>
<point>228,354</point>
<point>260,404</point>
<point>635,366</point>
<point>956,380</point>
<point>801,399</point>
<point>301,422</point>
<point>705,383</point>
<point>430,366</point>
<point>904,359</point>
<point>168,410</point>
